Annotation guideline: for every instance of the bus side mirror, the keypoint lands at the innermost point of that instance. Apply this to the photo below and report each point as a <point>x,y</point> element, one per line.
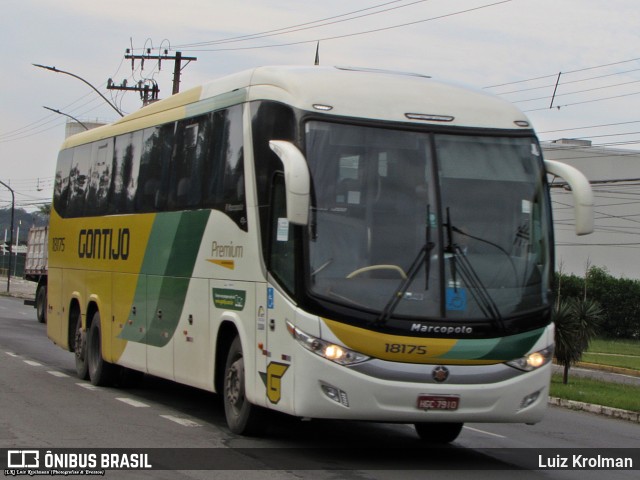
<point>582,194</point>
<point>296,179</point>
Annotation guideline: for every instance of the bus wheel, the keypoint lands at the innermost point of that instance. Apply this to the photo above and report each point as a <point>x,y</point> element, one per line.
<point>438,432</point>
<point>80,347</point>
<point>243,418</point>
<point>41,303</point>
<point>101,372</point>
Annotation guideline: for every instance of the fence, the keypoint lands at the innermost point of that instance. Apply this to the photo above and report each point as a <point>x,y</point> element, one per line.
<point>17,266</point>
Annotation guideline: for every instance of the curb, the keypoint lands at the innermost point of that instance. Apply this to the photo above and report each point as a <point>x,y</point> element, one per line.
<point>597,409</point>
<point>608,368</point>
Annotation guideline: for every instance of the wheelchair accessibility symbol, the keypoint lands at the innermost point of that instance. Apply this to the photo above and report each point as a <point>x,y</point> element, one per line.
<point>456,299</point>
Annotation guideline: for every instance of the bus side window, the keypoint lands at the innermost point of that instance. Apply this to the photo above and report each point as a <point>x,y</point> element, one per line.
<point>99,178</point>
<point>270,121</point>
<point>233,199</point>
<point>157,147</point>
<point>191,150</point>
<point>125,175</point>
<point>61,187</point>
<point>224,168</point>
<point>79,180</point>
<point>281,256</point>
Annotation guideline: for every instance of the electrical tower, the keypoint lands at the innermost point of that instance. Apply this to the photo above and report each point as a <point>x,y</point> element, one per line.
<point>177,66</point>
<point>149,88</point>
<point>148,93</point>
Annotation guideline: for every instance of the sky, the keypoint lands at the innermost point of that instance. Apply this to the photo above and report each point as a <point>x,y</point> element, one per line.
<point>523,50</point>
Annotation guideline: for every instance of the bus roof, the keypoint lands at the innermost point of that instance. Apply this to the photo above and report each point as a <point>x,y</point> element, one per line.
<point>342,91</point>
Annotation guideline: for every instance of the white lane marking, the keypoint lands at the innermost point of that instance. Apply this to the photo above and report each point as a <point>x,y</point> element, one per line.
<point>88,386</point>
<point>132,402</point>
<point>486,433</point>
<point>11,354</point>
<point>55,373</point>
<point>32,363</point>
<point>185,422</point>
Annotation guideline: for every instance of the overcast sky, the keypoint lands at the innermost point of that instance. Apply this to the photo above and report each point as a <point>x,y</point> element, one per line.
<point>481,43</point>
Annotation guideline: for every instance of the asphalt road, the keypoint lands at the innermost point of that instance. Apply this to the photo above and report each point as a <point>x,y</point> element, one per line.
<point>43,405</point>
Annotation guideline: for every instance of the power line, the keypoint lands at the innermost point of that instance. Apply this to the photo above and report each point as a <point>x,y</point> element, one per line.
<point>577,92</point>
<point>569,82</point>
<point>301,26</point>
<point>375,30</point>
<point>583,102</point>
<point>590,126</point>
<point>553,75</point>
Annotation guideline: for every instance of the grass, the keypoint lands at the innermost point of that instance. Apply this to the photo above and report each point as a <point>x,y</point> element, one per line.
<point>621,347</point>
<point>626,397</point>
<point>614,353</point>
<point>615,361</point>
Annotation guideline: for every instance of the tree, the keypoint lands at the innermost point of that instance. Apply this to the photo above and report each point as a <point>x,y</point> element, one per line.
<point>576,322</point>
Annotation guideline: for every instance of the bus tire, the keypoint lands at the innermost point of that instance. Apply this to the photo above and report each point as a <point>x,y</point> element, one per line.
<point>243,418</point>
<point>438,433</point>
<point>101,372</point>
<point>41,303</point>
<point>80,345</point>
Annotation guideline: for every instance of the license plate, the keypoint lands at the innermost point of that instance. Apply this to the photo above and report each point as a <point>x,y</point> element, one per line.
<point>438,402</point>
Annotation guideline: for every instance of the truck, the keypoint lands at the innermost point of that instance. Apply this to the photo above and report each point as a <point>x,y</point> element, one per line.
<point>36,267</point>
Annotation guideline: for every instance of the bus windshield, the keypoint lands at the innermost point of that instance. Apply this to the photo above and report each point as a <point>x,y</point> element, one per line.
<point>455,226</point>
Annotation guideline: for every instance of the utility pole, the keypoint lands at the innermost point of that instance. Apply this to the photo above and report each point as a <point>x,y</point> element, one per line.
<point>148,94</point>
<point>13,207</point>
<point>177,58</point>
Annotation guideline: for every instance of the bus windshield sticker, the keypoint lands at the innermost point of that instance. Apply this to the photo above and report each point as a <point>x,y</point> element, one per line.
<point>456,299</point>
<point>282,234</point>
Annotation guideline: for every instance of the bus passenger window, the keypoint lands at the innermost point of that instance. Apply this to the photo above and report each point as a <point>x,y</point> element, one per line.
<point>224,167</point>
<point>233,200</point>
<point>79,180</point>
<point>61,186</point>
<point>100,178</point>
<point>190,153</point>
<point>157,147</point>
<point>125,175</point>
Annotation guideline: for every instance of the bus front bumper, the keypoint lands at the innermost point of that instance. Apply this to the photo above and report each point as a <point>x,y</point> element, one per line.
<point>324,389</point>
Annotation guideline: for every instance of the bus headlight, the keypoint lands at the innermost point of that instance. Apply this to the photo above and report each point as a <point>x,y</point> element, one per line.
<point>328,350</point>
<point>533,360</point>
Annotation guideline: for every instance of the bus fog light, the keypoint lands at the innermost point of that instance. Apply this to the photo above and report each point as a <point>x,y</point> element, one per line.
<point>335,394</point>
<point>529,399</point>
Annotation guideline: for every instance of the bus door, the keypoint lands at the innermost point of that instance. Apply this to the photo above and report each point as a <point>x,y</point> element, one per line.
<point>277,376</point>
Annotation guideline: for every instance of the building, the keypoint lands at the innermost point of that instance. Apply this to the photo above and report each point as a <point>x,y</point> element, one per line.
<point>615,178</point>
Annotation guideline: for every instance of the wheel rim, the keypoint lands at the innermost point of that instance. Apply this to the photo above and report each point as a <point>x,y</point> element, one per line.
<point>234,385</point>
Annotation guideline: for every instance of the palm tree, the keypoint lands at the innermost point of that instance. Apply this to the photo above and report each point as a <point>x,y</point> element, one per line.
<point>576,322</point>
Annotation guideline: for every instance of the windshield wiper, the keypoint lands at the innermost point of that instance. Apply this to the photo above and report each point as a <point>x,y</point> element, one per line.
<point>398,295</point>
<point>460,263</point>
<point>422,256</point>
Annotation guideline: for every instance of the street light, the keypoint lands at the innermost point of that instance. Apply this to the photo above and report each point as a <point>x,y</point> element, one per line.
<point>13,205</point>
<point>54,69</point>
<point>67,115</point>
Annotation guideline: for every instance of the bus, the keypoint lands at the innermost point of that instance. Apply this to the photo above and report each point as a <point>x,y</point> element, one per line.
<point>329,243</point>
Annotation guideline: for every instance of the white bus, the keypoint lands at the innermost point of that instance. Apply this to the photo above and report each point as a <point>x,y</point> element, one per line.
<point>324,242</point>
